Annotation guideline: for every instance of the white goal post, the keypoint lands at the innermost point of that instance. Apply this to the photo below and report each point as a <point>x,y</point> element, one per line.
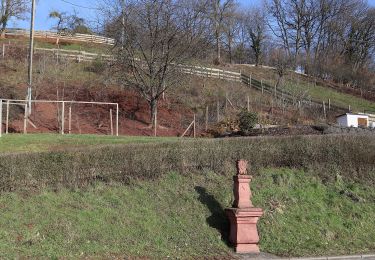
<point>21,102</point>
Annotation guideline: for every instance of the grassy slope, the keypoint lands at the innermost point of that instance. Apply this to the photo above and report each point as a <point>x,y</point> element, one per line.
<point>337,98</point>
<point>182,216</point>
<point>152,219</point>
<point>307,217</point>
<point>299,84</point>
<point>39,43</point>
<point>294,82</point>
<point>44,142</point>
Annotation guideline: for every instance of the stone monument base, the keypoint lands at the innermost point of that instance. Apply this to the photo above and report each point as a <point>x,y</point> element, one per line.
<point>243,228</point>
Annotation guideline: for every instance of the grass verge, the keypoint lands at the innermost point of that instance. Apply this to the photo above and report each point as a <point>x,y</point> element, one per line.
<point>181,216</point>
<point>152,219</point>
<point>47,142</point>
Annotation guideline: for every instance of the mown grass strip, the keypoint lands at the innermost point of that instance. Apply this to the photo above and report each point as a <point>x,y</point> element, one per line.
<point>46,142</point>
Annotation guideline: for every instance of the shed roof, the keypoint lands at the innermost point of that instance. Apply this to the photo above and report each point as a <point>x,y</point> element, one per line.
<point>352,114</point>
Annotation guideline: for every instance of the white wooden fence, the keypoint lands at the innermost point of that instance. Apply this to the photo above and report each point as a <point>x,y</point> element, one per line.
<point>76,37</point>
<point>210,72</point>
<point>79,56</point>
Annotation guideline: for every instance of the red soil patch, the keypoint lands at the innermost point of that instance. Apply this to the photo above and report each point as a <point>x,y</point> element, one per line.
<point>95,119</point>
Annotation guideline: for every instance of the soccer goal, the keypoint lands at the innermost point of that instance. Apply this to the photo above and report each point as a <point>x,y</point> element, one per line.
<point>108,113</point>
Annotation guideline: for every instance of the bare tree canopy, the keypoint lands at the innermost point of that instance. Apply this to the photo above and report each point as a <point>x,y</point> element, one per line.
<point>159,35</point>
<point>219,13</point>
<point>328,38</point>
<point>12,9</point>
<point>331,39</point>
<point>71,23</point>
<point>254,23</point>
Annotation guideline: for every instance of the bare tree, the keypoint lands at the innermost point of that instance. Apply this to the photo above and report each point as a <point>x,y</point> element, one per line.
<point>218,12</point>
<point>281,61</point>
<point>254,22</point>
<point>288,15</point>
<point>71,23</point>
<point>360,41</point>
<point>231,29</point>
<point>11,9</point>
<point>159,35</point>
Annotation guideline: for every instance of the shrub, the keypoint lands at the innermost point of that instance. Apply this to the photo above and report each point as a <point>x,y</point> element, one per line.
<point>97,66</point>
<point>352,157</point>
<point>247,120</point>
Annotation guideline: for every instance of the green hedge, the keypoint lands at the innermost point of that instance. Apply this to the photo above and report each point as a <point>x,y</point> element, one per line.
<point>352,157</point>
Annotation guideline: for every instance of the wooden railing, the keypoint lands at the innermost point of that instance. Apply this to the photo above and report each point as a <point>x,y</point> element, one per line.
<point>209,72</point>
<point>75,37</point>
<point>79,56</point>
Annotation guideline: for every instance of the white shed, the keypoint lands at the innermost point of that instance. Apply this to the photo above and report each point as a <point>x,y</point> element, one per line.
<point>353,120</point>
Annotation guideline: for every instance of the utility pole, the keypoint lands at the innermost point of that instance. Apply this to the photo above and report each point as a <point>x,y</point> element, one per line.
<point>31,53</point>
<point>123,24</point>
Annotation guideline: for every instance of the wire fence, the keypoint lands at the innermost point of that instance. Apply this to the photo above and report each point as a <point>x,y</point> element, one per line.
<point>201,71</point>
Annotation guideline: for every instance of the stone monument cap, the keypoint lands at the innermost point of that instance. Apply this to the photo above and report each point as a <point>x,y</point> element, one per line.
<point>242,167</point>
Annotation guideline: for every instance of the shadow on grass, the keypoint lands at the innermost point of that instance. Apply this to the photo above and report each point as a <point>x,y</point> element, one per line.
<point>218,219</point>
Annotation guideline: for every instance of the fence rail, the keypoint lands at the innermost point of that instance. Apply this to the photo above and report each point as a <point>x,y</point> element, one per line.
<point>76,37</point>
<point>256,84</point>
<point>75,55</point>
<point>209,72</point>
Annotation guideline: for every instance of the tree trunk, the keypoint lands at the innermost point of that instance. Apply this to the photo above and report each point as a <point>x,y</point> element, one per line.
<point>230,54</point>
<point>218,49</point>
<point>256,59</point>
<point>153,110</point>
<point>2,31</point>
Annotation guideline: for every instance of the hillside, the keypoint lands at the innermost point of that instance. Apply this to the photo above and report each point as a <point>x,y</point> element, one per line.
<point>166,199</point>
<point>212,100</point>
<point>316,89</point>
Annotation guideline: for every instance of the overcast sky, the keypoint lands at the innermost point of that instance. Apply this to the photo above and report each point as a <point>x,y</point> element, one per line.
<point>44,7</point>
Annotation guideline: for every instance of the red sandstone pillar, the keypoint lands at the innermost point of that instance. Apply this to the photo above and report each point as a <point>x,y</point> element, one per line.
<point>243,216</point>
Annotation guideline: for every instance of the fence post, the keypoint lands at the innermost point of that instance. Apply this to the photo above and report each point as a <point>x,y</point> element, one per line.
<point>3,53</point>
<point>117,119</point>
<point>248,104</point>
<point>194,129</point>
<point>7,119</point>
<point>350,109</point>
<point>110,119</point>
<point>206,128</point>
<point>226,102</point>
<point>324,109</point>
<point>250,81</point>
<point>261,83</point>
<point>218,111</point>
<point>25,121</point>
<point>155,122</point>
<point>329,104</point>
<point>70,118</point>
<point>62,117</point>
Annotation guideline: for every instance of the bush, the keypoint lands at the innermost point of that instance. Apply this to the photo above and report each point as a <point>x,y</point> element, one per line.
<point>353,157</point>
<point>97,66</point>
<point>247,120</point>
